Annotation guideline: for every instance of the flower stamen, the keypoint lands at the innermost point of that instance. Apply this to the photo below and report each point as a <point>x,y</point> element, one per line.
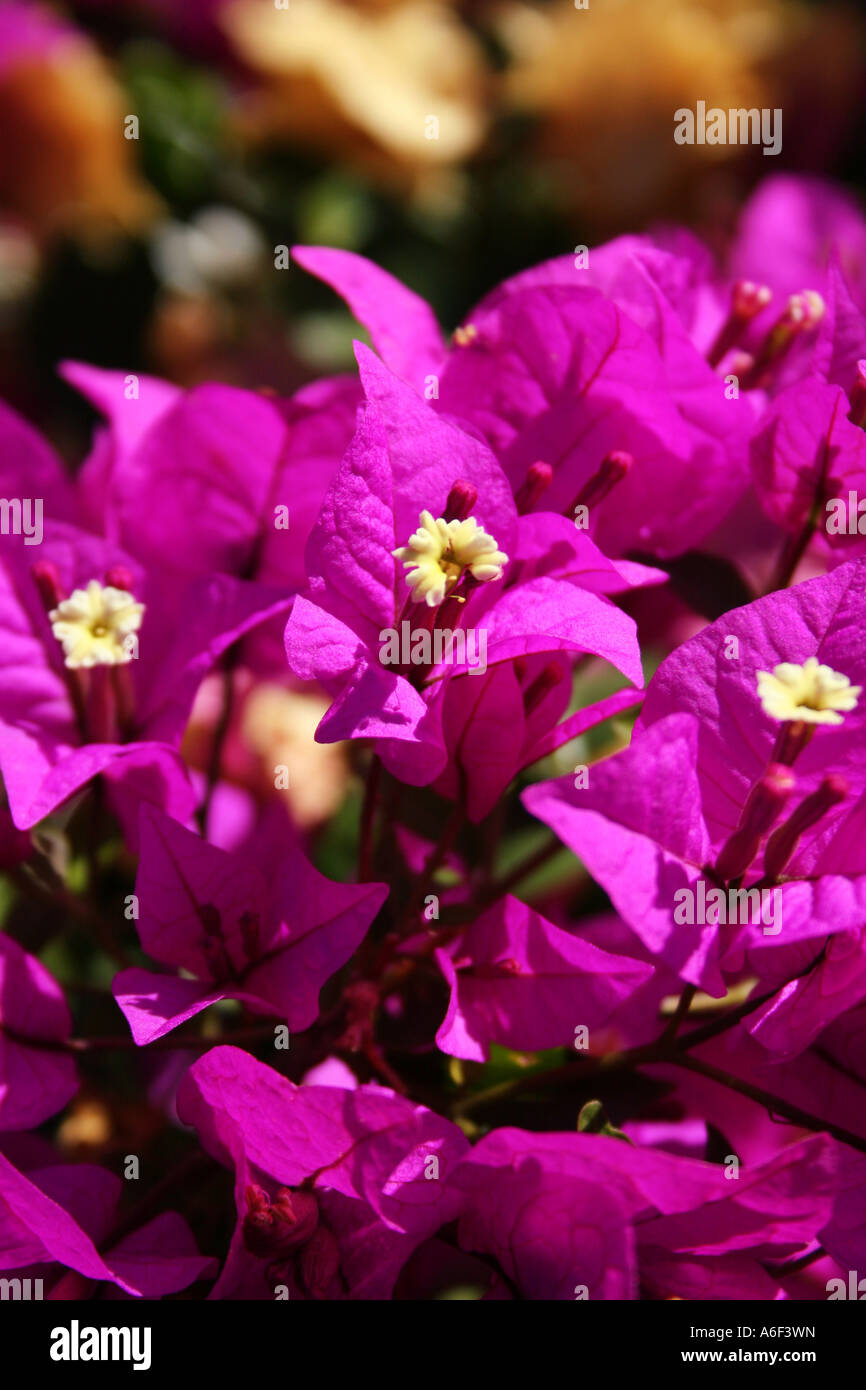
<point>439,553</point>
<point>807,694</point>
<point>94,626</point>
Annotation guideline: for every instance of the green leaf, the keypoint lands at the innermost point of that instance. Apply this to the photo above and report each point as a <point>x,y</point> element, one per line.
<point>336,849</point>
<point>592,1120</point>
<point>181,111</point>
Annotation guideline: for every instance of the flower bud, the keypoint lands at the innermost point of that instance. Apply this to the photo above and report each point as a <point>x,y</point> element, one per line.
<point>857,397</point>
<point>764,805</point>
<point>784,841</point>
<point>120,577</point>
<point>461,500</point>
<point>614,467</point>
<point>275,1228</point>
<point>46,577</point>
<point>747,301</point>
<point>538,478</point>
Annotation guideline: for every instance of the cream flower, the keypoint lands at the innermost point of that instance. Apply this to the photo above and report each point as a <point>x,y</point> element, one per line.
<point>438,553</point>
<point>810,694</point>
<point>398,90</point>
<point>280,725</point>
<point>93,623</point>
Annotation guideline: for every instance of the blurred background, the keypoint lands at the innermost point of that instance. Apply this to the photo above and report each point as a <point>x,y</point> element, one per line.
<point>154,154</point>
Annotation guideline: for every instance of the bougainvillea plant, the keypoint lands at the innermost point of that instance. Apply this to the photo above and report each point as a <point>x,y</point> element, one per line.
<point>434,831</point>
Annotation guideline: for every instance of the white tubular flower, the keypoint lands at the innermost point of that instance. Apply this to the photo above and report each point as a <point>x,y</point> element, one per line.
<point>438,553</point>
<point>93,623</point>
<point>809,694</point>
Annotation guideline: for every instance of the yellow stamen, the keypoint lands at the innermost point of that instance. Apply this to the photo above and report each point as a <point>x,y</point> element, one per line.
<point>809,694</point>
<point>465,335</point>
<point>438,553</point>
<point>93,624</point>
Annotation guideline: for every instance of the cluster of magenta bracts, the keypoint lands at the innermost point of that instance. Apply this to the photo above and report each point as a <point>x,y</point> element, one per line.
<point>647,450</point>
